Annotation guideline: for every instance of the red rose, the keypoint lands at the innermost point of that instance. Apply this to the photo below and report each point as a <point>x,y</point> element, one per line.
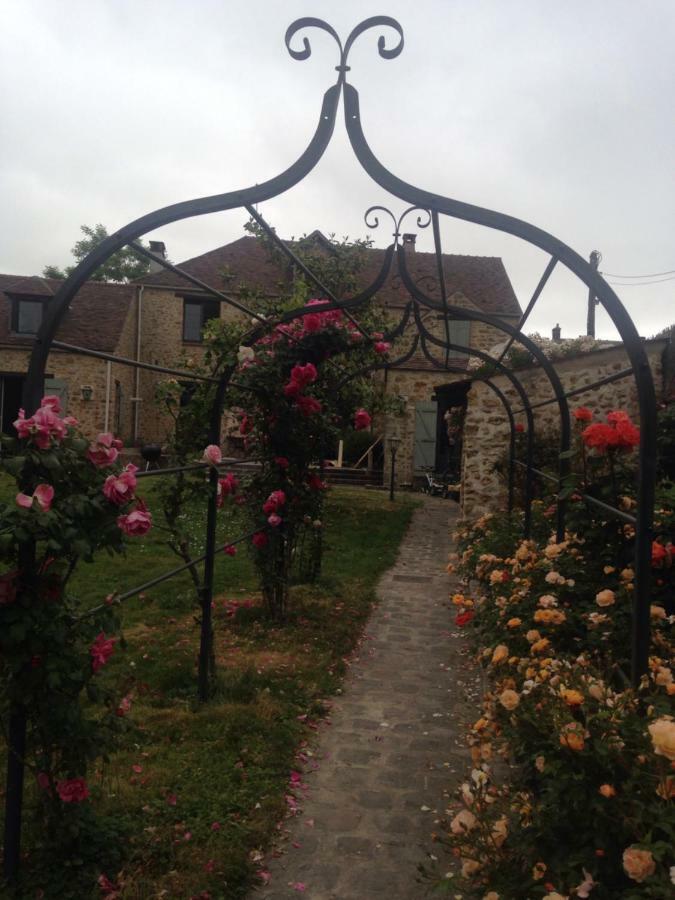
<point>73,790</point>
<point>259,540</point>
<point>362,420</point>
<point>583,414</point>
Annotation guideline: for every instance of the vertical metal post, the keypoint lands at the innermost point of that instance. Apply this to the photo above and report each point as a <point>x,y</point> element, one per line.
<point>593,301</point>
<point>393,472</point>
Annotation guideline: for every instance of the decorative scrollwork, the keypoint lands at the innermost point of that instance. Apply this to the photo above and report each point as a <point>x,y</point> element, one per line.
<point>374,220</point>
<point>373,22</point>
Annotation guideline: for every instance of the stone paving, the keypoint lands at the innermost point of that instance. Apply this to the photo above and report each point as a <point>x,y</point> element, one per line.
<point>394,751</point>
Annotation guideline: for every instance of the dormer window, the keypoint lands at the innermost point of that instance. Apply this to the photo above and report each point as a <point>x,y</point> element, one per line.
<point>27,314</point>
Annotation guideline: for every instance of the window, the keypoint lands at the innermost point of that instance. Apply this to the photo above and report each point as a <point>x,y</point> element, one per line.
<point>27,315</point>
<point>196,313</point>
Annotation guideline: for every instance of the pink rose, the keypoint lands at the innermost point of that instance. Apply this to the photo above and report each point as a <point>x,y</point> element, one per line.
<point>41,427</point>
<point>231,550</point>
<point>123,707</point>
<point>101,651</point>
<point>273,503</point>
<point>136,523</point>
<point>361,420</point>
<point>73,790</point>
<point>212,455</point>
<point>226,487</point>
<point>282,462</point>
<point>274,520</point>
<point>104,450</point>
<point>44,494</point>
<point>119,489</point>
<point>381,347</point>
<point>52,401</point>
<point>304,375</point>
<point>259,540</point>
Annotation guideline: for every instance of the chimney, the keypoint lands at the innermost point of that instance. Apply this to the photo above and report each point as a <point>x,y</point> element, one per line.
<point>409,241</point>
<point>555,334</point>
<point>159,249</point>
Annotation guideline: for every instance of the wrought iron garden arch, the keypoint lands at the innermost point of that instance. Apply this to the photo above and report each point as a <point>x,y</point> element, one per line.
<point>435,206</point>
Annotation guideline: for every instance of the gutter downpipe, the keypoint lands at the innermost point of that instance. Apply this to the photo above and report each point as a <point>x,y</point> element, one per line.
<point>108,381</point>
<point>137,378</point>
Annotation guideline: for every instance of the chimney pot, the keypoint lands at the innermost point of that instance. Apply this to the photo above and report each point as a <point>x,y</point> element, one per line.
<point>555,334</point>
<point>409,241</point>
<point>159,249</point>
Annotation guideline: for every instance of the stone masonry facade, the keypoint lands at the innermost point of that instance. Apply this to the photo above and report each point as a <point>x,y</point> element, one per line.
<point>486,430</point>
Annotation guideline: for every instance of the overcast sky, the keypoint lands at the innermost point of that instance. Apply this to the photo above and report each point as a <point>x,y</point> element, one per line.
<point>558,113</point>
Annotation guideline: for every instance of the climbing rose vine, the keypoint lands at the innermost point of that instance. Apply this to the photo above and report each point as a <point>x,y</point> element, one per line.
<point>73,499</point>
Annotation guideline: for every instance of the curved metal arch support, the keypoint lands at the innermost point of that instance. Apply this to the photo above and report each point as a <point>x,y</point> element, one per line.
<point>522,393</point>
<point>458,312</point>
<point>174,213</point>
<point>484,379</point>
<point>644,381</point>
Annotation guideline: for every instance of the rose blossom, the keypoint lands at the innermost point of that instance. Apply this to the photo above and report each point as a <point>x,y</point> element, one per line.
<point>638,864</point>
<point>43,493</point>
<point>308,406</point>
<point>274,520</point>
<point>101,651</point>
<point>136,523</point>
<point>282,462</point>
<point>572,736</point>
<point>501,652</point>
<point>104,450</point>
<point>72,790</point>
<point>123,707</point>
<point>662,733</point>
<point>464,821</point>
<point>230,549</point>
<point>605,598</point>
<point>212,455</point>
<point>274,502</point>
<point>607,790</point>
<point>381,347</point>
<point>259,540</point>
<point>583,414</point>
<point>509,699</point>
<point>362,420</point>
<point>119,489</point>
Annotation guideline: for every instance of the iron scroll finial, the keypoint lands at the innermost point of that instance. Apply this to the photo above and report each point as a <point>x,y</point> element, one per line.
<point>373,221</point>
<point>373,22</point>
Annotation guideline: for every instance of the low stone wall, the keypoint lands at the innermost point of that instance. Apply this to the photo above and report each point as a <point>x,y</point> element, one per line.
<point>486,430</point>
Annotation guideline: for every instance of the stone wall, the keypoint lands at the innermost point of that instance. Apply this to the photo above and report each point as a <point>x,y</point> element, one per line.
<point>486,430</point>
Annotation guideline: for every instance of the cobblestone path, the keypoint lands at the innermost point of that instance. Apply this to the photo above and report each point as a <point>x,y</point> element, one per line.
<point>394,751</point>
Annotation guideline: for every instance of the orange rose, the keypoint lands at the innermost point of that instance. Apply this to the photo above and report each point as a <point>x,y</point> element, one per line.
<point>572,697</point>
<point>514,623</point>
<point>662,733</point>
<point>607,790</point>
<point>605,598</point>
<point>572,736</point>
<point>638,864</point>
<point>509,699</point>
<point>501,652</point>
<point>540,646</point>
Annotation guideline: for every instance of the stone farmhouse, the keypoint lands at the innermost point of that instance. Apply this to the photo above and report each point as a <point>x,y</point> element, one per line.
<point>159,320</point>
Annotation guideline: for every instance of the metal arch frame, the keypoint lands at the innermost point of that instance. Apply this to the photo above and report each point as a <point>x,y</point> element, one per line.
<point>485,379</point>
<point>436,205</point>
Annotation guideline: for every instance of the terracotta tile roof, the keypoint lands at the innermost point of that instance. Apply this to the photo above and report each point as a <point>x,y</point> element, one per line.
<point>95,319</point>
<point>482,279</point>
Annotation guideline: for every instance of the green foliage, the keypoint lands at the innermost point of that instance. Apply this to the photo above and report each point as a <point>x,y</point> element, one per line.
<point>123,266</point>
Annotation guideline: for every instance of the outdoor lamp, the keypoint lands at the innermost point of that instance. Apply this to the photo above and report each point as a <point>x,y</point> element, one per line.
<point>87,391</point>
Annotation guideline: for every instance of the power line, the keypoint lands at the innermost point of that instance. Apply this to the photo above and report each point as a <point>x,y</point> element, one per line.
<point>641,283</point>
<point>652,275</point>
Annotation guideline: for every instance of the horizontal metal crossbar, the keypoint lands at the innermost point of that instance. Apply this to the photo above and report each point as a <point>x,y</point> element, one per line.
<point>608,379</point>
<point>124,361</point>
<point>174,470</point>
<point>619,513</point>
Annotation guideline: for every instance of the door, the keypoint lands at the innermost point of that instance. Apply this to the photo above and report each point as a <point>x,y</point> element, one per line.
<point>426,416</point>
<point>11,387</point>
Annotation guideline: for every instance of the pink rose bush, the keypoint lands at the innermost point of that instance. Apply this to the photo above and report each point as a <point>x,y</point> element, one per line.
<point>71,492</point>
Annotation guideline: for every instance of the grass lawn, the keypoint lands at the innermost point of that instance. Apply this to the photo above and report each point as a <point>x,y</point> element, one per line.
<point>196,793</point>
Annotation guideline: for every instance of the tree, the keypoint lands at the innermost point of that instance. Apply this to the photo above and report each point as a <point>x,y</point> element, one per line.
<point>123,266</point>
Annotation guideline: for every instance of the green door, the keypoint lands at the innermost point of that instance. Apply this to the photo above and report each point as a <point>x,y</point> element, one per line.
<point>426,415</point>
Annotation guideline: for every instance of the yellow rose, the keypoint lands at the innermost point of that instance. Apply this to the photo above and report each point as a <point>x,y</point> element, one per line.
<point>572,697</point>
<point>509,699</point>
<point>572,736</point>
<point>605,598</point>
<point>501,652</point>
<point>638,864</point>
<point>662,733</point>
<point>464,821</point>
